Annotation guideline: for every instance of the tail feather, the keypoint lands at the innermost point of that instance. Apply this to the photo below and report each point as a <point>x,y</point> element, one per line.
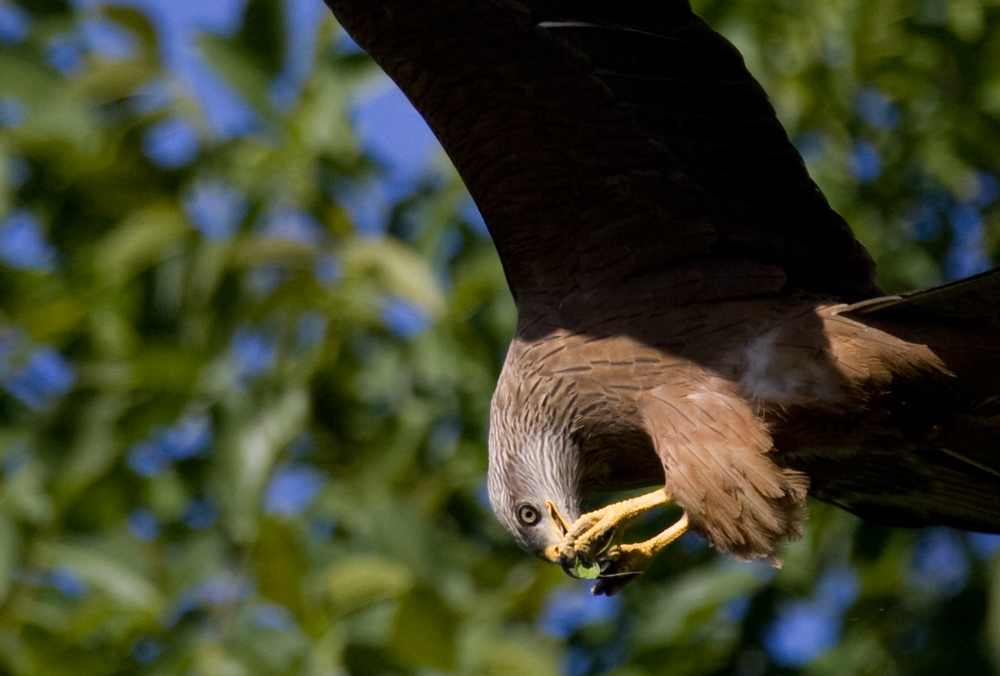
<point>951,476</point>
<point>956,484</point>
<point>970,301</point>
<point>952,498</point>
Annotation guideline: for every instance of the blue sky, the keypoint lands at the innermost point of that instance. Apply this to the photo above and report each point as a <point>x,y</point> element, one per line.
<point>385,122</point>
<point>386,125</point>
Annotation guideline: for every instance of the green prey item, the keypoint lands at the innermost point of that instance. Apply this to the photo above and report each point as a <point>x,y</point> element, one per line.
<point>586,572</point>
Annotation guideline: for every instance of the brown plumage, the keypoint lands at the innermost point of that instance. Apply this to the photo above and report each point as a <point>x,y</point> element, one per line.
<point>692,313</point>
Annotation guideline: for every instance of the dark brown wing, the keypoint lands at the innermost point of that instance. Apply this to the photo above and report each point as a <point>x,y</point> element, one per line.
<point>613,146</point>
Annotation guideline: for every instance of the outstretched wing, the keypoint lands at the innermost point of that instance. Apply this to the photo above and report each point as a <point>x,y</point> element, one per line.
<point>616,147</point>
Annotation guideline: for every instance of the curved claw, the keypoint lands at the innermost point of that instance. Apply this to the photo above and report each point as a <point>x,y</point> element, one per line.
<point>592,546</point>
<point>586,565</point>
<point>568,564</point>
<point>597,532</point>
<point>634,559</point>
<point>611,584</point>
<point>579,567</point>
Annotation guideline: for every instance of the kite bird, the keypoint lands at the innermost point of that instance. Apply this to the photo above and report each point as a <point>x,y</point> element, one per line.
<point>693,316</point>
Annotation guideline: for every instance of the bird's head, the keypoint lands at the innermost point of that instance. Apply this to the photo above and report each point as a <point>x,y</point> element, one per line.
<point>534,487</point>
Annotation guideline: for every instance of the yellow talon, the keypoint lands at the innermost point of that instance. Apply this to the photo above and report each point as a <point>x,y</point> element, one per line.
<point>593,527</point>
<point>634,559</point>
<point>591,547</point>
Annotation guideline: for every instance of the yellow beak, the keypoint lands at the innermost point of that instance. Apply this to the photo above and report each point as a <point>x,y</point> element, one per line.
<point>560,527</point>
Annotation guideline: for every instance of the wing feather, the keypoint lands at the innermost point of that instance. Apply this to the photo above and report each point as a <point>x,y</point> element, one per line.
<point>718,465</point>
<point>606,142</point>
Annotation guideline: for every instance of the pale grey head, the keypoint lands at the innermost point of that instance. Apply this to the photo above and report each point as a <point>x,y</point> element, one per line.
<point>534,483</point>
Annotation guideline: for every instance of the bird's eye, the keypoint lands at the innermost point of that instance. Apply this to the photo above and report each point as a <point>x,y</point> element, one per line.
<point>528,515</point>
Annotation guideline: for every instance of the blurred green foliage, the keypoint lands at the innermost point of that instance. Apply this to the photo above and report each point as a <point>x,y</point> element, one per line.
<point>221,454</point>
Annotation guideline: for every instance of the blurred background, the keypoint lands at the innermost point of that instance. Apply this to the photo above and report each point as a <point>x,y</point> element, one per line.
<point>250,323</point>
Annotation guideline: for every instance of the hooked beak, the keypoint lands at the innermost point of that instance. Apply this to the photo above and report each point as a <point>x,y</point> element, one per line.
<point>560,527</point>
<point>571,561</point>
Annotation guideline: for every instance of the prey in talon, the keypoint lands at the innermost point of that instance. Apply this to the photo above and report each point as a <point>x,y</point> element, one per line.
<point>593,547</point>
<point>587,546</point>
<point>587,560</point>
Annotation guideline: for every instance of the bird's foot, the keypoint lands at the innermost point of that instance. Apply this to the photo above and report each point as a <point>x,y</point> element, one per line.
<point>593,542</point>
<point>633,559</point>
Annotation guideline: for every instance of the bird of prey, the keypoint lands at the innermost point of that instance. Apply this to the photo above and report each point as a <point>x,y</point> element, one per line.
<point>693,316</point>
